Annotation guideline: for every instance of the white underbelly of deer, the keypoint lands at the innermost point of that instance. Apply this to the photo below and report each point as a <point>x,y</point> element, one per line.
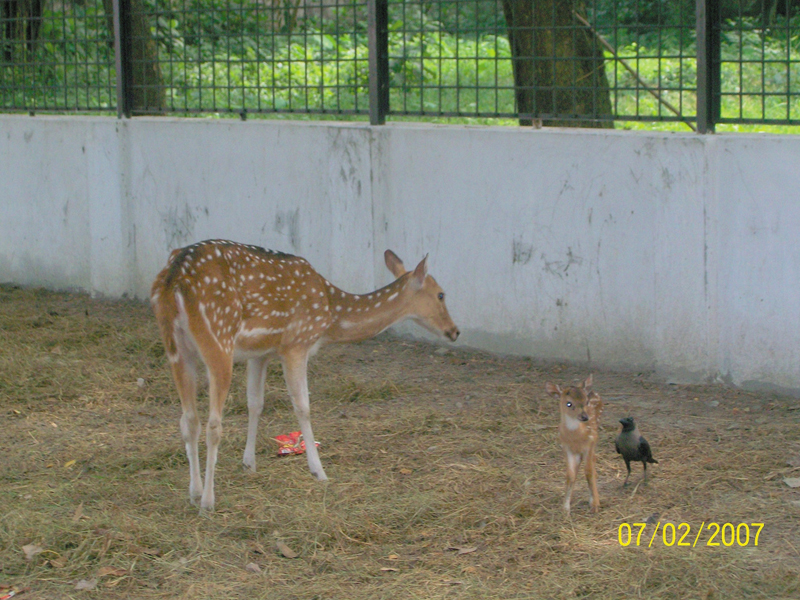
<point>218,302</point>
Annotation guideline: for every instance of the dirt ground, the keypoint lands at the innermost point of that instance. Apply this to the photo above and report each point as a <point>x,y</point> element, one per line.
<point>446,477</point>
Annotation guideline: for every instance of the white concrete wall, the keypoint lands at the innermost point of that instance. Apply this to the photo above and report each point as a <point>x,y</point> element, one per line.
<point>629,250</point>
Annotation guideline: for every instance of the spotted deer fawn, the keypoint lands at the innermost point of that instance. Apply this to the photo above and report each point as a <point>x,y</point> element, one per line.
<point>218,302</point>
<point>578,431</point>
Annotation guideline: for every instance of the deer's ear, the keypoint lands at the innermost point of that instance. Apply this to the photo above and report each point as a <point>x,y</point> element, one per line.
<point>553,389</point>
<point>420,273</point>
<point>393,263</point>
<point>587,382</point>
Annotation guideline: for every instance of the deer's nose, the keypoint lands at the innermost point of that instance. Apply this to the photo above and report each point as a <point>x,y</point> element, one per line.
<point>453,333</point>
<point>583,417</point>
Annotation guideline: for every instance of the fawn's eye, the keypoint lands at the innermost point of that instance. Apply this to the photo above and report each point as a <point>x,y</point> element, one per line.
<point>441,295</point>
<point>569,404</point>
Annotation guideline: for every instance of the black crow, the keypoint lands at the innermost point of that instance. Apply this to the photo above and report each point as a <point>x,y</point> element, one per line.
<point>633,446</point>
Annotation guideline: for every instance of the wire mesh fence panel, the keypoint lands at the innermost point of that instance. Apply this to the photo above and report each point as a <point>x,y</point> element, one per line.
<point>760,63</point>
<point>56,56</point>
<point>449,59</point>
<point>650,57</point>
<point>556,62</point>
<point>251,56</point>
<point>561,61</point>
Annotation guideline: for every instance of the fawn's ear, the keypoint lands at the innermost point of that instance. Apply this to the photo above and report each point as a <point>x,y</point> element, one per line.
<point>587,382</point>
<point>393,263</point>
<point>553,389</point>
<point>418,277</point>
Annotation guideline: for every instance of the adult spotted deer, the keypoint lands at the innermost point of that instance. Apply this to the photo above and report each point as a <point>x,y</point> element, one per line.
<point>578,431</point>
<point>218,302</point>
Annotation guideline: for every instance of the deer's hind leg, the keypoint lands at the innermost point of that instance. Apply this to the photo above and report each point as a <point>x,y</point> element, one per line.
<point>184,372</point>
<point>220,372</point>
<point>256,377</point>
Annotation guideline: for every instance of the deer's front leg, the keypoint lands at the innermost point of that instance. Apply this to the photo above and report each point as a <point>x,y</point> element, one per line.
<point>573,463</point>
<point>591,477</point>
<point>256,377</point>
<point>295,371</point>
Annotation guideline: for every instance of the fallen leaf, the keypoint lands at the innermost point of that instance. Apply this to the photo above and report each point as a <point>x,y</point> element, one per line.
<point>252,567</point>
<point>464,549</point>
<point>56,350</point>
<point>389,569</point>
<point>31,550</point>
<point>285,550</point>
<point>69,463</point>
<point>116,572</point>
<point>792,482</point>
<point>78,513</point>
<point>393,557</point>
<point>58,563</point>
<point>86,584</point>
<point>406,471</point>
<point>151,551</point>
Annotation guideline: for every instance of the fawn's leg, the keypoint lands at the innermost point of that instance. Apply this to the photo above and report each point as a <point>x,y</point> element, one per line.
<point>591,477</point>
<point>573,462</point>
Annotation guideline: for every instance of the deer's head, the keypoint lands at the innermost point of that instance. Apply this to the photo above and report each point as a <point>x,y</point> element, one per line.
<point>426,298</point>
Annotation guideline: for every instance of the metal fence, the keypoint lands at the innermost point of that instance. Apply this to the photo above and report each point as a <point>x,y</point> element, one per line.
<point>558,62</point>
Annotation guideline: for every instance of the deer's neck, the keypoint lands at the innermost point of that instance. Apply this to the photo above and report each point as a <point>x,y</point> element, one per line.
<point>358,317</point>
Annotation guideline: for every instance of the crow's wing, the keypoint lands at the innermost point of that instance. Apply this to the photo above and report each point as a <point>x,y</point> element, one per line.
<point>616,445</point>
<point>644,450</point>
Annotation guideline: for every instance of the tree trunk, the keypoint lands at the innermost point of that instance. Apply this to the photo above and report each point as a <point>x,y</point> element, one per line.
<point>21,22</point>
<point>558,65</point>
<point>146,90</point>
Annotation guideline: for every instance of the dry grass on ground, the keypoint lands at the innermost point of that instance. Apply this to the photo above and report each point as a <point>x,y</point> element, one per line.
<point>428,451</point>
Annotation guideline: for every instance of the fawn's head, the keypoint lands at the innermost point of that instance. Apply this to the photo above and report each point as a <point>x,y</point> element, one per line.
<point>577,402</point>
<point>426,304</point>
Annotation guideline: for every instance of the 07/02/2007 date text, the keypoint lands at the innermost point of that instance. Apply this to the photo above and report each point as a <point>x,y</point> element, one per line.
<point>717,534</point>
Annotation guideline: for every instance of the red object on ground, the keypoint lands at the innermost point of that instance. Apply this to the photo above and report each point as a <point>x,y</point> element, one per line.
<point>291,443</point>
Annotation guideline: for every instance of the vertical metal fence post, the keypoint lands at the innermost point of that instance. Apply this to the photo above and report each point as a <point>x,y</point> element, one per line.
<point>708,65</point>
<point>378,40</point>
<point>122,40</point>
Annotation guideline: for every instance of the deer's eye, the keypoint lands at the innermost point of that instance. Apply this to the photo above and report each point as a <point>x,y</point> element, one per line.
<point>569,404</point>
<point>441,296</point>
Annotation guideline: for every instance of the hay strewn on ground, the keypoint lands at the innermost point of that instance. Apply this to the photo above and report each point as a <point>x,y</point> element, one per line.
<point>446,476</point>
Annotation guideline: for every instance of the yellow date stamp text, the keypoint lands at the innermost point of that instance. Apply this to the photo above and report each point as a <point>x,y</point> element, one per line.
<point>708,534</point>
